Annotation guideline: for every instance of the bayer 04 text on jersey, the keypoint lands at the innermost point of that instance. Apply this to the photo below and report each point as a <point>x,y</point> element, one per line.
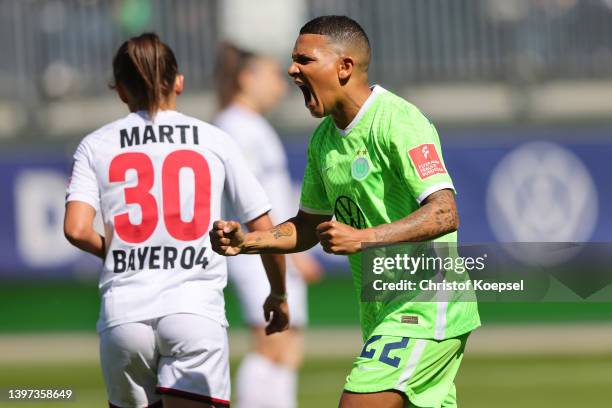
<point>158,257</point>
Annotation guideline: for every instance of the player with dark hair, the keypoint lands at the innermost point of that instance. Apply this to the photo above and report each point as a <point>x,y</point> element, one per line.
<point>158,178</point>
<point>250,85</point>
<point>375,163</point>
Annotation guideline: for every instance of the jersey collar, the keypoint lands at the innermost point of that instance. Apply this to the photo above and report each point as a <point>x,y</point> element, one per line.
<point>376,90</point>
<point>145,115</point>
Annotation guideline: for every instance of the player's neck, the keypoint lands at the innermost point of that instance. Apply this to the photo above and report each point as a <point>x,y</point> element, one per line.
<point>167,104</point>
<point>246,103</point>
<point>348,107</point>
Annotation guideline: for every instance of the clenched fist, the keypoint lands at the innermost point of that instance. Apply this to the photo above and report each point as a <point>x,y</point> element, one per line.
<point>227,237</point>
<point>340,239</point>
<point>276,313</point>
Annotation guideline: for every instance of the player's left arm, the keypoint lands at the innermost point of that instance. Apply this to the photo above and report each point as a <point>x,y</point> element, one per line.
<point>79,230</point>
<point>437,216</point>
<point>414,147</point>
<point>276,309</point>
<point>273,263</point>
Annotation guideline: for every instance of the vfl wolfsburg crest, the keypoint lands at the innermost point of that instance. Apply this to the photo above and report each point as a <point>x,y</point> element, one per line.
<point>360,168</point>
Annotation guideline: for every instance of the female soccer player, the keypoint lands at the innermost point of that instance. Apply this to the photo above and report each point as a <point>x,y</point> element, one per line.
<point>249,86</point>
<point>157,177</point>
<point>375,163</point>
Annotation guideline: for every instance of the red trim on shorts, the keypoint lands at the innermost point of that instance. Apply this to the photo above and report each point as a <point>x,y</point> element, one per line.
<point>157,404</point>
<point>194,397</point>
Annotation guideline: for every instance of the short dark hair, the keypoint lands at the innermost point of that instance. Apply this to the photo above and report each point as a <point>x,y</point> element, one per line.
<point>341,29</point>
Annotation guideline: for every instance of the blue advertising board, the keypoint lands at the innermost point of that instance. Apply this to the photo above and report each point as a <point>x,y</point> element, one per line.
<point>513,186</point>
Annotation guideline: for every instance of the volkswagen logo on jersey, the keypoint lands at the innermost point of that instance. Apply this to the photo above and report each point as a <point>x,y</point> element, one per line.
<point>541,192</point>
<point>349,213</point>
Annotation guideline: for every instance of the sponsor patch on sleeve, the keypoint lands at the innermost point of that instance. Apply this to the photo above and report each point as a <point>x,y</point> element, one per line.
<point>426,160</point>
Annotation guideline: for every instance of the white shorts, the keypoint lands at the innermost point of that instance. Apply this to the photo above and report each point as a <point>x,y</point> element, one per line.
<point>184,355</point>
<point>248,275</point>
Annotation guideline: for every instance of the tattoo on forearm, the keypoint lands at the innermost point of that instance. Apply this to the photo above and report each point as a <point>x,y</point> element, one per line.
<point>282,230</point>
<point>446,213</point>
<point>436,217</point>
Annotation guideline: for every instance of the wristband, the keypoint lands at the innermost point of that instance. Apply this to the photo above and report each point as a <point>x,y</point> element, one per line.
<point>276,296</point>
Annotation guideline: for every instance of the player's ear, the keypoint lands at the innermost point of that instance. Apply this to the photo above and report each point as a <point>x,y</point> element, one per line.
<point>345,68</point>
<point>179,84</point>
<point>245,79</point>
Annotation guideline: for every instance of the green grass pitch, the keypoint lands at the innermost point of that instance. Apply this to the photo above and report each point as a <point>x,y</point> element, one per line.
<point>566,380</point>
<point>526,381</point>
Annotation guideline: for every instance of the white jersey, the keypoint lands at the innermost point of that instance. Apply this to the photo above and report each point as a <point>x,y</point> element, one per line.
<point>159,186</point>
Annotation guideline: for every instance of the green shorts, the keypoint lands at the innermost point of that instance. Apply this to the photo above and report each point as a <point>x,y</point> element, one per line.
<point>424,370</point>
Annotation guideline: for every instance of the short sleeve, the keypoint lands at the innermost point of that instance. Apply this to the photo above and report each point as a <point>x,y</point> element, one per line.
<point>245,194</point>
<point>313,198</point>
<point>416,155</point>
<point>83,185</point>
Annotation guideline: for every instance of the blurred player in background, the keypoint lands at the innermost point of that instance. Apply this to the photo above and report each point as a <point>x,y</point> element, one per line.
<point>249,86</point>
<point>375,163</point>
<point>157,177</point>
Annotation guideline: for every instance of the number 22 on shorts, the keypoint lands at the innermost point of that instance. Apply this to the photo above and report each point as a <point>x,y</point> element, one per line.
<point>384,355</point>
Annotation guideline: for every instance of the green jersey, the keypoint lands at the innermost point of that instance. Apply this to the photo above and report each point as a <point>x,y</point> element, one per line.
<point>376,171</point>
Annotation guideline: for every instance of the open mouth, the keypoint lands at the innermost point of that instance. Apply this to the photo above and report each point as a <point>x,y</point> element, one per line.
<point>307,94</point>
<point>309,97</point>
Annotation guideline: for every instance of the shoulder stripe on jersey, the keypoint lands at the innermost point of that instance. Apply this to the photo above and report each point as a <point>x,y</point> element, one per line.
<point>436,187</point>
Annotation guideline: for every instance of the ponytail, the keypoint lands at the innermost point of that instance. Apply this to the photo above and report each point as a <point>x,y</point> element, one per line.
<point>147,69</point>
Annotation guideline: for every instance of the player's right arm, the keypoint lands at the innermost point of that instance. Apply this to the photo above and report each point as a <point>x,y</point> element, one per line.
<point>78,228</point>
<point>82,203</point>
<point>297,234</point>
<point>251,205</point>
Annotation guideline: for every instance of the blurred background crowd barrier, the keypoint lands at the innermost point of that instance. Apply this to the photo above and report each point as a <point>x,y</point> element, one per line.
<point>462,61</point>
<point>539,189</point>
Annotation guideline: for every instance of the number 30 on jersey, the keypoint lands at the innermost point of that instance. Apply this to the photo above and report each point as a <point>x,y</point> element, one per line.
<point>140,194</point>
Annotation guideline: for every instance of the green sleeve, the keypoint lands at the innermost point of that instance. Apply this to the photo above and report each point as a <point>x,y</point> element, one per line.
<point>416,155</point>
<point>313,199</point>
